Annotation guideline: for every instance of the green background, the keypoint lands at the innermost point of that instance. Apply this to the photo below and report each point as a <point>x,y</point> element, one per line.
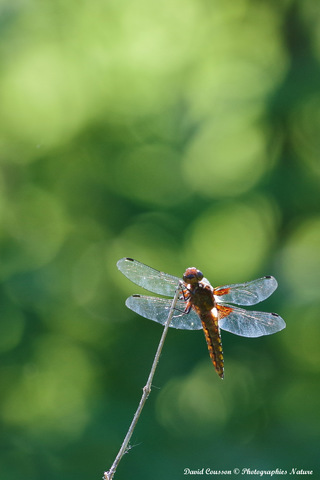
<point>180,133</point>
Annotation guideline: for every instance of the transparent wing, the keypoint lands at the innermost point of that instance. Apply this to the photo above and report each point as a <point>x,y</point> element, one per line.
<point>157,309</point>
<point>248,293</point>
<point>148,278</point>
<point>248,324</point>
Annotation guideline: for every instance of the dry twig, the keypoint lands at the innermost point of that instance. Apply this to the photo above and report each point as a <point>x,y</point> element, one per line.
<point>146,391</point>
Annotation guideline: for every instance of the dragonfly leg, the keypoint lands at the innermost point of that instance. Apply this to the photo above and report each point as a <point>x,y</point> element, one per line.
<point>186,293</point>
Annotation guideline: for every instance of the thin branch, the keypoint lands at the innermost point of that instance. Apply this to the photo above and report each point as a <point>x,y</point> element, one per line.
<point>146,391</point>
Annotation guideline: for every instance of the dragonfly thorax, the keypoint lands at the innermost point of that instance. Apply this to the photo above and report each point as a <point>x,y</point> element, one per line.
<point>201,297</point>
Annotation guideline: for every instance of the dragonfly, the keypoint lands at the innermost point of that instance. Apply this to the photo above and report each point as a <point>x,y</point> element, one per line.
<point>200,306</point>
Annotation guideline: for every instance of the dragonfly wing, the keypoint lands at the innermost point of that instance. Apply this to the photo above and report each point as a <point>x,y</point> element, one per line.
<point>248,324</point>
<point>248,293</point>
<point>148,278</point>
<point>157,309</point>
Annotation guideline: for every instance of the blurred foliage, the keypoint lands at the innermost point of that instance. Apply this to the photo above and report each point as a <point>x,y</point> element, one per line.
<point>179,133</point>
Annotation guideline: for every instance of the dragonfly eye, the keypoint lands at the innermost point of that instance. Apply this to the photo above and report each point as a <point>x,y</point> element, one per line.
<point>199,275</point>
<point>192,275</point>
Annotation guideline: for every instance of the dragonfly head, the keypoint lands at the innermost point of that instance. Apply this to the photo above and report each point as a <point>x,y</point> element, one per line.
<point>192,275</point>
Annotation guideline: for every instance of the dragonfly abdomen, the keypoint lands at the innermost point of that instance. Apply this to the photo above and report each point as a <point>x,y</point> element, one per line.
<point>213,339</point>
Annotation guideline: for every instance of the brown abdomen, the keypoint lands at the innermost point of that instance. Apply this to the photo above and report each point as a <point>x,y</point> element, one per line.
<point>213,338</point>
